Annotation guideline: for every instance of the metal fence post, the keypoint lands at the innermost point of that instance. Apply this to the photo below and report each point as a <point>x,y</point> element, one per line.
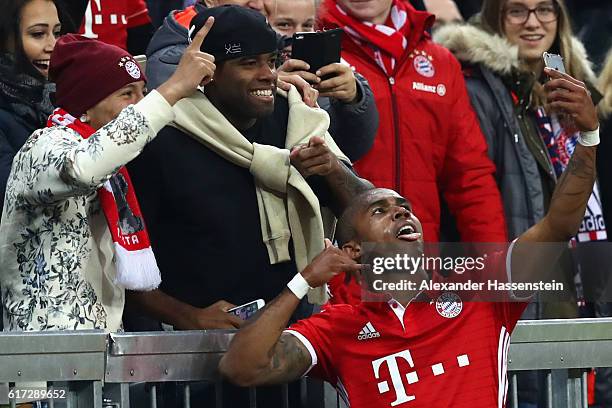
<point>514,389</point>
<point>549,389</point>
<point>574,389</point>
<point>252,397</point>
<point>585,391</point>
<point>85,394</point>
<point>186,396</point>
<point>153,396</point>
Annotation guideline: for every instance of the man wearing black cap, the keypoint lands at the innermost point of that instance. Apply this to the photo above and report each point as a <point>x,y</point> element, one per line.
<point>229,217</point>
<point>354,122</point>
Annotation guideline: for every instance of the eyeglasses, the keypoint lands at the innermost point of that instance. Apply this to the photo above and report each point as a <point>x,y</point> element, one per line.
<point>545,13</point>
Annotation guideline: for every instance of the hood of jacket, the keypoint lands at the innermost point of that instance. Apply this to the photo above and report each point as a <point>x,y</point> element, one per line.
<point>471,44</point>
<point>170,33</point>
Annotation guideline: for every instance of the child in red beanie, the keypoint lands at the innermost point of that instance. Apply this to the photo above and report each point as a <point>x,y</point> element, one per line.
<point>72,237</point>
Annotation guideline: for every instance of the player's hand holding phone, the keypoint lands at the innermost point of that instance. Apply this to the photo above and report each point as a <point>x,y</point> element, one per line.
<point>569,96</point>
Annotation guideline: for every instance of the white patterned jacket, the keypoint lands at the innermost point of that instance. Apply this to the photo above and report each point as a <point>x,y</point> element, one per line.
<point>56,257</point>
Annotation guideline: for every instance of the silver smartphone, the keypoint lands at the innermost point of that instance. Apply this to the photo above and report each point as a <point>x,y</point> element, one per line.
<point>248,309</point>
<point>554,61</point>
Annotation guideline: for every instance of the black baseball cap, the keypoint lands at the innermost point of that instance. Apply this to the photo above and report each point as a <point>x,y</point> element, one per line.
<point>237,32</point>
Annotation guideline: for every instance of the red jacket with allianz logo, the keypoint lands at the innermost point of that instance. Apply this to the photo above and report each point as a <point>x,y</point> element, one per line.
<point>429,141</point>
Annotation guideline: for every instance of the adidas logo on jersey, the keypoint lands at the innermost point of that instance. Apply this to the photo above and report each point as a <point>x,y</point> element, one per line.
<point>368,332</point>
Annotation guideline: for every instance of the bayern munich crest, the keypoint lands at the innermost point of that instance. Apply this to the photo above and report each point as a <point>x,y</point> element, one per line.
<point>449,305</point>
<point>131,67</point>
<point>424,66</point>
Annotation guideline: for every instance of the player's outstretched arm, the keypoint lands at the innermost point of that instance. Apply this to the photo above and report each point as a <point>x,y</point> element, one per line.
<point>568,204</point>
<point>260,353</point>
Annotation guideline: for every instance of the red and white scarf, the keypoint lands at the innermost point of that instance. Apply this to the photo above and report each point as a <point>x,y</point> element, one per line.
<point>136,265</point>
<point>561,142</point>
<point>386,43</point>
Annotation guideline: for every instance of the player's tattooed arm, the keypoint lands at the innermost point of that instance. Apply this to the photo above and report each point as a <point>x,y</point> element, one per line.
<point>316,159</point>
<point>345,186</point>
<point>532,263</point>
<point>569,200</point>
<point>568,203</point>
<point>571,97</point>
<point>289,360</point>
<point>261,354</point>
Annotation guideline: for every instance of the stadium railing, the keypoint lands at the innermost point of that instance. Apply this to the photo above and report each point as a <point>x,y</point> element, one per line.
<point>94,370</point>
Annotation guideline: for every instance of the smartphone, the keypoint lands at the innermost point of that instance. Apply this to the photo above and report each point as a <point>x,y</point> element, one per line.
<point>318,49</point>
<point>554,61</point>
<point>248,309</point>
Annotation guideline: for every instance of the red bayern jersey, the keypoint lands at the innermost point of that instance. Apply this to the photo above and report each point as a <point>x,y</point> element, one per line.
<point>108,20</point>
<point>441,352</point>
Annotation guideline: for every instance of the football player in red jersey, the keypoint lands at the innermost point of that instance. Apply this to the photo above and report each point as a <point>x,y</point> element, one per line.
<point>399,352</point>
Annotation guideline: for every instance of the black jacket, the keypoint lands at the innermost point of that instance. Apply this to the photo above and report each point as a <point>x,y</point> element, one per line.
<point>14,131</point>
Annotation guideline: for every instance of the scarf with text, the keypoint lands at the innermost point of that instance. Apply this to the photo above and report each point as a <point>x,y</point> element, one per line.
<point>136,265</point>
<point>561,144</point>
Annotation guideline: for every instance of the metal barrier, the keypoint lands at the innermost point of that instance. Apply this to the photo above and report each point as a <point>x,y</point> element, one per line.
<point>566,349</point>
<point>76,359</point>
<point>99,370</point>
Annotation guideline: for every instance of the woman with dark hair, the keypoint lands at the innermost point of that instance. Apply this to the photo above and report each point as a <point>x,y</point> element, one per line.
<point>28,31</point>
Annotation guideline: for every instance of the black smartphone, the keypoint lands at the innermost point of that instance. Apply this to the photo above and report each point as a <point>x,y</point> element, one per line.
<point>318,49</point>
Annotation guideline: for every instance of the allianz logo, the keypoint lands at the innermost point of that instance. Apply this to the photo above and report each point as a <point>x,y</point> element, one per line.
<point>419,86</point>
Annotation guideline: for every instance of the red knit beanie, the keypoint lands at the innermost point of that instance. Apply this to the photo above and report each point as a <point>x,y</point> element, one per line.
<point>86,71</point>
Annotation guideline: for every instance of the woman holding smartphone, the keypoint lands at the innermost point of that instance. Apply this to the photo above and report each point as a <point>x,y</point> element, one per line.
<point>501,52</point>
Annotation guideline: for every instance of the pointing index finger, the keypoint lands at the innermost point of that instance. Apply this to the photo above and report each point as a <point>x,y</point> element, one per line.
<point>201,35</point>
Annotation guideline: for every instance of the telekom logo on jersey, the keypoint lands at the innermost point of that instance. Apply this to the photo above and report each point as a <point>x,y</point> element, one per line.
<point>92,18</point>
<point>391,361</point>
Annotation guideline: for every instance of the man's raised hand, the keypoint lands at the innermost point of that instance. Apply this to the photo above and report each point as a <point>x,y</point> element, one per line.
<point>314,158</point>
<point>195,68</point>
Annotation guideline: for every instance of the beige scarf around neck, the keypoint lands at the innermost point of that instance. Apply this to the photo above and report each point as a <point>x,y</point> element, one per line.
<point>288,208</point>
